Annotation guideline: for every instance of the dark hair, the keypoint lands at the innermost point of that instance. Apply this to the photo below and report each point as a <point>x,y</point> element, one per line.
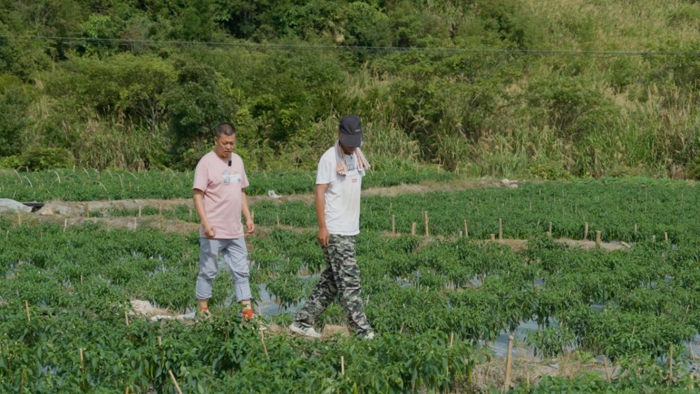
<point>225,128</point>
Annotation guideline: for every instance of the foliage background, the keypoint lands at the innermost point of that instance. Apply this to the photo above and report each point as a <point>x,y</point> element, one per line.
<point>547,89</point>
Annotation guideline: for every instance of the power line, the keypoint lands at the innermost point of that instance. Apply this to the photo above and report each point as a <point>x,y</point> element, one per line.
<point>357,47</point>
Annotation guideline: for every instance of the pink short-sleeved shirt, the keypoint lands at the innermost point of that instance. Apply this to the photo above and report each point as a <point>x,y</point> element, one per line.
<point>222,186</point>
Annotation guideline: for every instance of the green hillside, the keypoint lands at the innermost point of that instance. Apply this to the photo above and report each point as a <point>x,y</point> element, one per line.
<point>547,89</point>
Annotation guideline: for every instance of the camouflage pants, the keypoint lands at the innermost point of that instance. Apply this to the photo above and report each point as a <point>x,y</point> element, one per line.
<point>341,277</point>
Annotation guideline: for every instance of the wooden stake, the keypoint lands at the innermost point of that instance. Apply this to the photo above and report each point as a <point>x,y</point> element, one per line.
<point>509,360</point>
<point>81,280</point>
<point>493,237</point>
<point>26,306</point>
<point>19,217</point>
<point>585,231</point>
<point>452,338</point>
<point>161,224</point>
<point>342,365</point>
<point>393,224</point>
<point>126,318</point>
<point>635,231</point>
<point>665,237</point>
<point>500,229</point>
<point>65,224</point>
<point>160,342</point>
<point>127,390</point>
<point>607,373</point>
<point>81,359</point>
<point>598,237</point>
<point>466,230</point>
<point>549,233</point>
<point>262,339</point>
<point>139,211</point>
<point>401,330</point>
<point>413,228</point>
<point>177,386</point>
<point>135,224</point>
<point>87,210</point>
<point>160,209</point>
<point>653,239</point>
<point>425,219</point>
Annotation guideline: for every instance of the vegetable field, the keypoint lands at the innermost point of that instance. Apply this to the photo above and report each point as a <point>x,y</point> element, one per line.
<point>438,302</point>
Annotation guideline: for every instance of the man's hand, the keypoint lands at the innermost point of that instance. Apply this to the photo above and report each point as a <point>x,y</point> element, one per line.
<point>209,230</point>
<point>251,227</point>
<point>323,236</point>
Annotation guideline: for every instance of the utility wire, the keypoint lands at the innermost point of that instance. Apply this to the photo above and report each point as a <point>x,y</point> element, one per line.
<point>357,48</point>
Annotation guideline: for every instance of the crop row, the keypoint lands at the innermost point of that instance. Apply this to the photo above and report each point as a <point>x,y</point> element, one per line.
<point>77,283</point>
<point>92,185</point>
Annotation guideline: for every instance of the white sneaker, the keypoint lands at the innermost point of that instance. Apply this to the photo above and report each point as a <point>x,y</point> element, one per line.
<point>369,335</point>
<point>308,332</point>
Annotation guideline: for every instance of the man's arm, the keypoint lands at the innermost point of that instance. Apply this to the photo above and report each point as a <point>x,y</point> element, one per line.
<point>246,213</point>
<point>323,234</point>
<point>209,231</point>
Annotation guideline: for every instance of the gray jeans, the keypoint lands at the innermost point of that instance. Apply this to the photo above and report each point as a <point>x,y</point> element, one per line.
<point>235,257</point>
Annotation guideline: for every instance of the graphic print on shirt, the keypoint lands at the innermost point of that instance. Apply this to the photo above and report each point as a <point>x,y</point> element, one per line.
<point>231,178</point>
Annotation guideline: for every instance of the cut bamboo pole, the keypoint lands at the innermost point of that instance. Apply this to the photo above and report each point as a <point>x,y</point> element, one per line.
<point>585,231</point>
<point>19,217</point>
<point>549,233</point>
<point>82,359</point>
<point>177,386</point>
<point>466,230</point>
<point>598,237</point>
<point>665,237</point>
<point>635,231</point>
<point>87,210</point>
<point>670,363</point>
<point>500,229</point>
<point>425,219</point>
<point>160,342</point>
<point>509,361</point>
<point>527,381</point>
<point>493,237</point>
<point>342,365</point>
<point>452,338</point>
<point>135,224</point>
<point>393,224</point>
<point>139,211</point>
<point>65,224</point>
<point>607,373</point>
<point>413,228</point>
<point>401,330</point>
<point>26,306</point>
<point>126,318</point>
<point>262,339</point>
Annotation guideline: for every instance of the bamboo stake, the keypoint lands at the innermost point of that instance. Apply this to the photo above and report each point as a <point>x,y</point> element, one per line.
<point>585,231</point>
<point>342,365</point>
<point>670,363</point>
<point>177,386</point>
<point>607,373</point>
<point>135,224</point>
<point>278,220</point>
<point>126,318</point>
<point>413,228</point>
<point>509,360</point>
<point>139,211</point>
<point>666,237</point>
<point>65,224</point>
<point>262,339</point>
<point>160,210</point>
<point>635,231</point>
<point>160,342</point>
<point>527,381</point>
<point>393,224</point>
<point>466,230</point>
<point>401,330</point>
<point>127,390</point>
<point>500,229</point>
<point>598,237</point>
<point>425,219</point>
<point>26,306</point>
<point>87,210</point>
<point>549,233</point>
<point>161,224</point>
<point>493,237</point>
<point>19,217</point>
<point>452,338</point>
<point>82,359</point>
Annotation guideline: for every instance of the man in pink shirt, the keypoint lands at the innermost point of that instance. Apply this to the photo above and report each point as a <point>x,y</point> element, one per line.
<point>219,199</point>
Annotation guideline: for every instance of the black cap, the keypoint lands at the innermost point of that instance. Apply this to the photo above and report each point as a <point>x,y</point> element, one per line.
<point>351,131</point>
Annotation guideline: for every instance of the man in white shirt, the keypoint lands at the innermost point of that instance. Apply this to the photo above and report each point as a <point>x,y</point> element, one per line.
<point>338,186</point>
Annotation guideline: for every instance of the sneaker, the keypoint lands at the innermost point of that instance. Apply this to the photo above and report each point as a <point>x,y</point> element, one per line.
<point>250,316</point>
<point>368,336</point>
<point>308,332</point>
<point>203,314</point>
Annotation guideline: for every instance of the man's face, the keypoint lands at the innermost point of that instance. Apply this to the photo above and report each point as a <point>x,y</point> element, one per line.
<point>224,145</point>
<point>348,150</point>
